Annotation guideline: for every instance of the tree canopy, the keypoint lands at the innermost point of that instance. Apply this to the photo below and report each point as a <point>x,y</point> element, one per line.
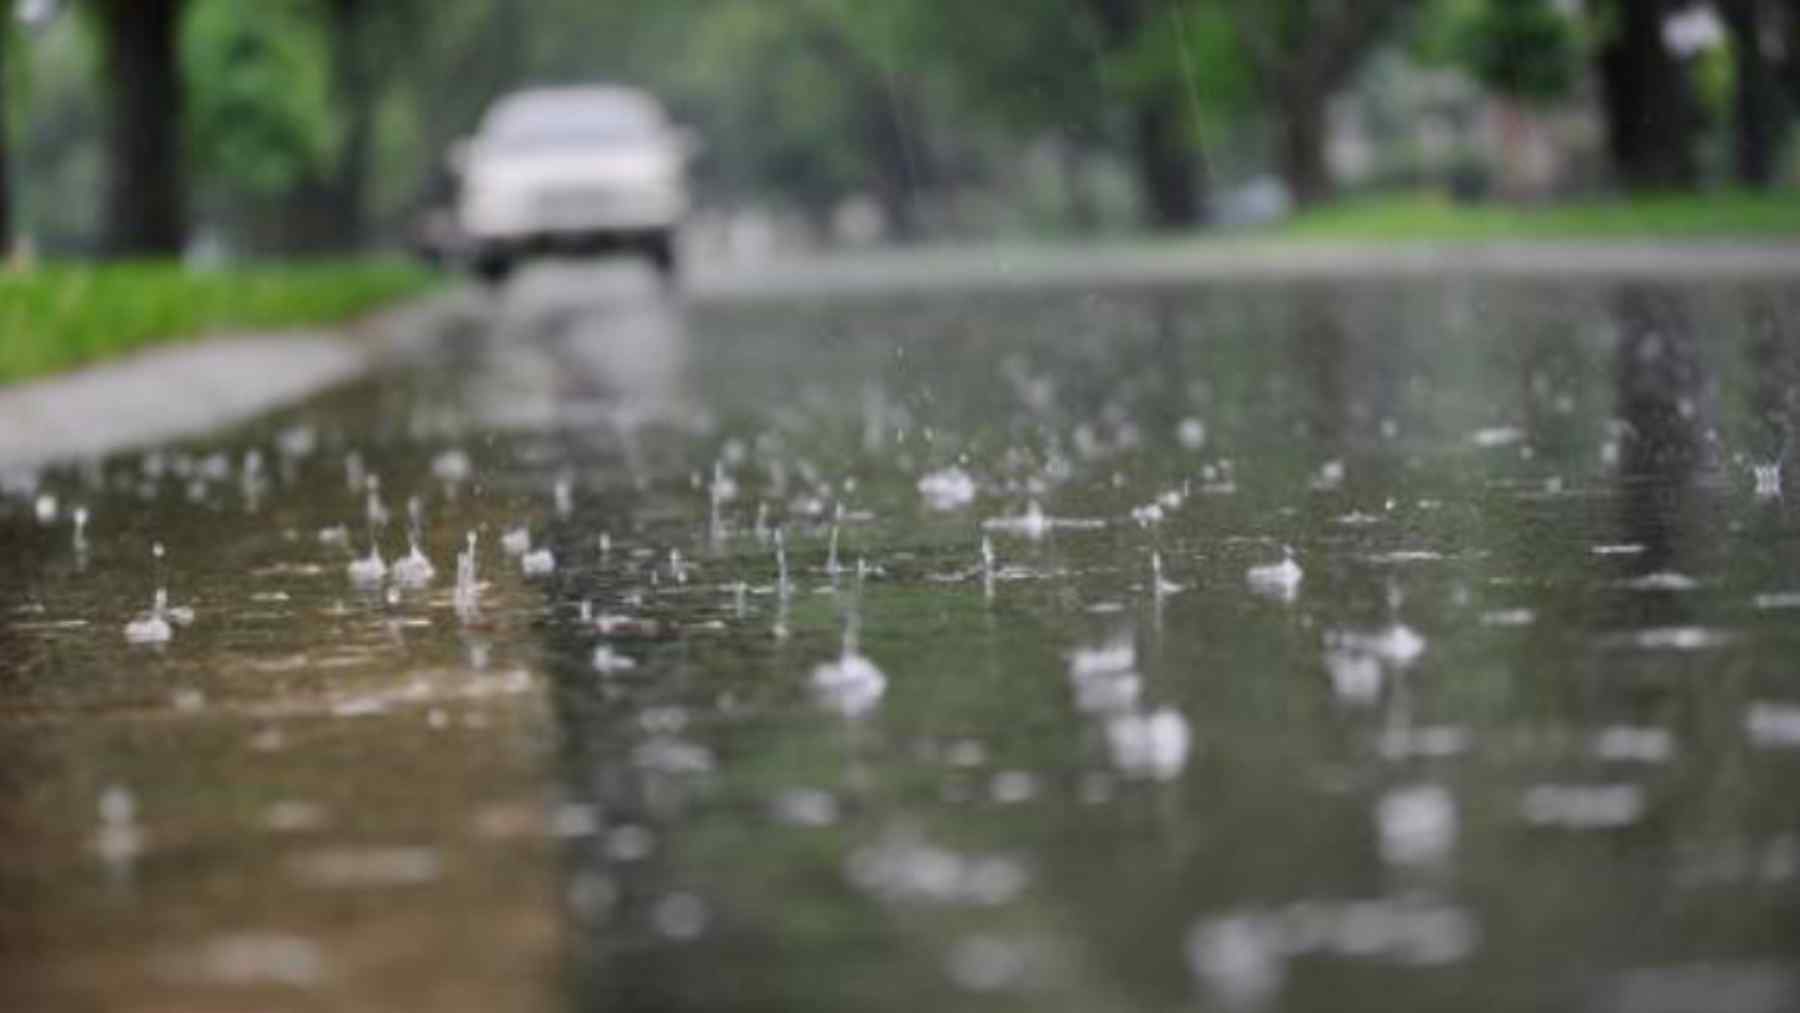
<point>313,124</point>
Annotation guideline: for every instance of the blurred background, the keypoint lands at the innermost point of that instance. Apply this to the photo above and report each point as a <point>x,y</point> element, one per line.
<point>217,129</point>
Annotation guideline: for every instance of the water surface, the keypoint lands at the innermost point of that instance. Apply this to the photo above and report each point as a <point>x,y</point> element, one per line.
<point>1308,646</point>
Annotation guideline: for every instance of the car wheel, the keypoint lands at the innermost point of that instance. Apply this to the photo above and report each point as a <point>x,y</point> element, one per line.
<point>660,248</point>
<point>493,268</point>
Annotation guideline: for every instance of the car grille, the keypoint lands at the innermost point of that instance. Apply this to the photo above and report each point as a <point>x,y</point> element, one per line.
<point>580,203</point>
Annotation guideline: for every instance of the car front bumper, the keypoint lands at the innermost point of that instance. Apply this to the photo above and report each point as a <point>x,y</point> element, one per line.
<point>571,214</point>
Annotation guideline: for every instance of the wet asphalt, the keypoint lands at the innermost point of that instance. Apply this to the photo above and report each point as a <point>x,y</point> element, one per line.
<point>1324,641</point>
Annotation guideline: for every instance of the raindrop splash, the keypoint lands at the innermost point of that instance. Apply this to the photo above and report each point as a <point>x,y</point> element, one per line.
<point>154,626</point>
<point>946,490</point>
<point>852,685</point>
<point>1153,746</point>
<point>782,586</point>
<point>368,570</point>
<point>537,563</point>
<point>563,493</point>
<point>1279,581</point>
<point>1768,480</point>
<point>414,570</point>
<point>468,589</point>
<point>1160,586</point>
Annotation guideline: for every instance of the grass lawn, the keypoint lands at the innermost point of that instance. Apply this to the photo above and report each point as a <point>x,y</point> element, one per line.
<point>63,315</point>
<point>1426,216</point>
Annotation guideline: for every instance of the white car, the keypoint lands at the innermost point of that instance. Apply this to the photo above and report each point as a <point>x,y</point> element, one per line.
<point>575,170</point>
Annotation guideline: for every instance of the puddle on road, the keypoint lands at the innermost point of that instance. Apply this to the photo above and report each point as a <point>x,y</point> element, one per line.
<point>1131,649</point>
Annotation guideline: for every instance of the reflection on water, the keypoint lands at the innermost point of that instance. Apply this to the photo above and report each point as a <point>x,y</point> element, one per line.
<point>1295,646</point>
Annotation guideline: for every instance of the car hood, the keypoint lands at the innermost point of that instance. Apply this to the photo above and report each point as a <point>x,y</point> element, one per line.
<point>536,169</point>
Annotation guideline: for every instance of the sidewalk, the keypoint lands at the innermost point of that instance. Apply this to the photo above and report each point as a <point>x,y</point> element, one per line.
<point>185,389</point>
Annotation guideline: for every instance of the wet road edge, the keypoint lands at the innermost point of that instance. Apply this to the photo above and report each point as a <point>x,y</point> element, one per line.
<point>190,388</point>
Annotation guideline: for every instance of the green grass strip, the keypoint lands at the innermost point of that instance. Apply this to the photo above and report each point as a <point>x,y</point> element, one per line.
<point>1731,215</point>
<point>59,316</point>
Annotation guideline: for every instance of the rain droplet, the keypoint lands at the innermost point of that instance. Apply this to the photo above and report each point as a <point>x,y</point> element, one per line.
<point>1280,581</point>
<point>537,563</point>
<point>1417,825</point>
<point>1153,745</point>
<point>948,489</point>
<point>368,570</point>
<point>681,916</point>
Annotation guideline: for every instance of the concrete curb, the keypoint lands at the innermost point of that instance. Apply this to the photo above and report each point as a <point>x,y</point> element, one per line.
<point>1027,267</point>
<point>186,389</point>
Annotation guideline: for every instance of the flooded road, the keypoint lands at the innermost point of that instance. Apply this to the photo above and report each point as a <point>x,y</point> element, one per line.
<point>1321,645</point>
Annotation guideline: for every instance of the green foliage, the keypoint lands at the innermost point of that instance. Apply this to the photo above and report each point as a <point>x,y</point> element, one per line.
<point>61,316</point>
<point>14,78</point>
<point>801,102</point>
<point>781,109</point>
<point>259,98</point>
<point>1049,64</point>
<point>1715,80</point>
<point>56,121</point>
<point>1030,62</point>
<point>1525,49</point>
<point>1739,214</point>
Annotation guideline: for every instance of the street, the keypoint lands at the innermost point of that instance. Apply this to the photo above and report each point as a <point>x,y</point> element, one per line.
<point>1316,640</point>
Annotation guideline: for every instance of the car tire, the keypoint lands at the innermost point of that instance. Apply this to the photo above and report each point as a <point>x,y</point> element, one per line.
<point>493,268</point>
<point>660,248</point>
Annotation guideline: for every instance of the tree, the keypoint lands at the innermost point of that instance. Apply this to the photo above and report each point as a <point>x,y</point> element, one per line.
<point>1303,52</point>
<point>367,39</point>
<point>1016,69</point>
<point>1145,78</point>
<point>6,224</point>
<point>1169,162</point>
<point>1525,50</point>
<point>263,125</point>
<point>146,200</point>
<point>1525,53</point>
<point>283,102</point>
<point>1759,113</point>
<point>1787,30</point>
<point>886,112</point>
<point>354,93</point>
<point>826,101</point>
<point>1651,115</point>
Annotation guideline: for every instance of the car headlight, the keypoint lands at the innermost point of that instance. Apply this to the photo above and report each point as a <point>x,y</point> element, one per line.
<point>489,205</point>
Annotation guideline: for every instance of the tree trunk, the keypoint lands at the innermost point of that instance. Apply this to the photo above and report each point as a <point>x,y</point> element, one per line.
<point>1168,172</point>
<point>146,204</point>
<point>1760,118</point>
<point>354,93</point>
<point>6,221</point>
<point>904,166</point>
<point>1649,105</point>
<point>899,209</point>
<point>1515,135</point>
<point>1303,164</point>
<point>1083,209</point>
<point>1787,29</point>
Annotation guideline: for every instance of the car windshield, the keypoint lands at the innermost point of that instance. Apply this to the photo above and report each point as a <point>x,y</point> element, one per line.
<point>570,124</point>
